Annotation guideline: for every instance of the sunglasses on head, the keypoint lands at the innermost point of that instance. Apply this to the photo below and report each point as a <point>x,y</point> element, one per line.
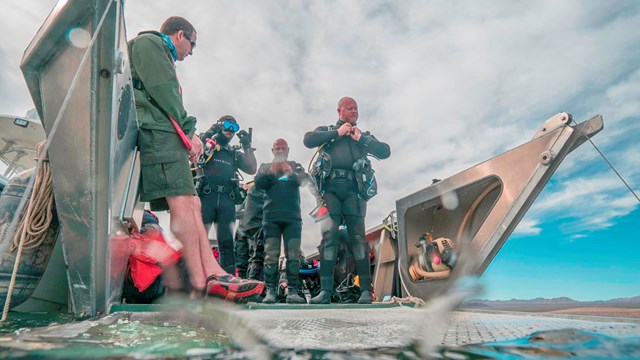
<point>230,126</point>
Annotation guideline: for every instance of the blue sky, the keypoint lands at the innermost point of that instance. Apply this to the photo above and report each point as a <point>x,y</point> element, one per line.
<point>568,256</point>
<point>447,85</point>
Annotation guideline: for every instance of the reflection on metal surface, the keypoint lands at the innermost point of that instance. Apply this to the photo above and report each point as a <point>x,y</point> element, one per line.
<point>93,148</point>
<point>492,197</point>
<point>125,108</point>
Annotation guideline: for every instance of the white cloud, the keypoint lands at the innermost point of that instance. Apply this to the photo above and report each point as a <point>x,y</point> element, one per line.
<point>527,227</point>
<point>577,236</point>
<point>585,203</point>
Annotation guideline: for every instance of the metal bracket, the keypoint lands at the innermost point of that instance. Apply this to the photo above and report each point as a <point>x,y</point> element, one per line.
<point>119,62</point>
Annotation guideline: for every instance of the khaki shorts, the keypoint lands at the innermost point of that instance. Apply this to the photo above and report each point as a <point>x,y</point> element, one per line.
<point>165,169</point>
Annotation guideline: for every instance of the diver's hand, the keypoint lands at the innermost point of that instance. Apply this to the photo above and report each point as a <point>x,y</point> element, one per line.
<point>286,168</point>
<point>245,139</point>
<point>344,129</point>
<point>213,130</point>
<point>355,133</point>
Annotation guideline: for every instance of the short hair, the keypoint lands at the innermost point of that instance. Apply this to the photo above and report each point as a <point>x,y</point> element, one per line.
<point>176,23</point>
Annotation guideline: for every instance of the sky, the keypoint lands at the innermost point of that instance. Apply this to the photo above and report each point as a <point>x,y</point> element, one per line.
<point>447,84</point>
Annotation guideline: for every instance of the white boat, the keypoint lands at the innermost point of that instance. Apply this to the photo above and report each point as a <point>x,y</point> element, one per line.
<point>19,136</point>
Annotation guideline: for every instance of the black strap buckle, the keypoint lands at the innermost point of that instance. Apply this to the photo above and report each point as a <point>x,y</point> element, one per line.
<point>220,189</point>
<point>341,173</point>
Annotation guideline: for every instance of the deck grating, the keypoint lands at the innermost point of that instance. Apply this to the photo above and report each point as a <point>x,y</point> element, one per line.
<point>350,329</point>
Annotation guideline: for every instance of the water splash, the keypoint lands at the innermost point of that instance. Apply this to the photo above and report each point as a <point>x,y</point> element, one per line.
<point>435,316</point>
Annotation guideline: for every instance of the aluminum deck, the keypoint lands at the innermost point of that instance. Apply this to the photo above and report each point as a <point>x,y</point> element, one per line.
<point>339,328</point>
<point>468,327</point>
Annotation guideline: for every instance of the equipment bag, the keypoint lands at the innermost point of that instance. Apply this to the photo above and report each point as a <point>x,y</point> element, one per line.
<point>347,291</point>
<point>320,169</point>
<point>366,178</point>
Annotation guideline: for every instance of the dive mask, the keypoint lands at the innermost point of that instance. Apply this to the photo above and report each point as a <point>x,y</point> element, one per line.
<point>230,126</point>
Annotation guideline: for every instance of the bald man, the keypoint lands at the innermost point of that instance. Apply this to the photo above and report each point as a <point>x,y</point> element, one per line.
<point>281,181</point>
<point>344,143</point>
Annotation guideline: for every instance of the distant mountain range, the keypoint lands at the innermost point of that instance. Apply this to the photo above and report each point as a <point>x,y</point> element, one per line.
<point>541,304</point>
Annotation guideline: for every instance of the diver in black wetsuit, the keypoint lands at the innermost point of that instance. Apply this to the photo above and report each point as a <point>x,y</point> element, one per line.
<point>217,204</point>
<point>281,181</point>
<point>249,242</point>
<point>345,144</point>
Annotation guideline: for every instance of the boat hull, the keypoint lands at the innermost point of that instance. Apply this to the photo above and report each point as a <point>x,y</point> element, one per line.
<point>33,262</point>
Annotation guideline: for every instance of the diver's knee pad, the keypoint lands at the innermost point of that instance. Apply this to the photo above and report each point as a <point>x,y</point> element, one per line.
<point>329,251</point>
<point>359,248</point>
<point>271,251</point>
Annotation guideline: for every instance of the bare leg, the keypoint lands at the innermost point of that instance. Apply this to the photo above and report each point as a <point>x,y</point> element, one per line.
<point>186,224</point>
<point>184,227</point>
<point>209,264</point>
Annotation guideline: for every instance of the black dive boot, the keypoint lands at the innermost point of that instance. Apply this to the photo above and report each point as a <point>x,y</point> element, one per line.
<point>363,268</point>
<point>271,297</point>
<point>324,297</point>
<point>294,298</point>
<point>326,283</point>
<point>366,297</point>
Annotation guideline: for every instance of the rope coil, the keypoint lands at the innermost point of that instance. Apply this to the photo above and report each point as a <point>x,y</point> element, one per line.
<point>417,302</point>
<point>36,221</point>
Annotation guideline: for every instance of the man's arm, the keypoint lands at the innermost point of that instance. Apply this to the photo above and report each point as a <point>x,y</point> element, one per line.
<point>321,135</point>
<point>374,146</point>
<point>247,161</point>
<point>298,174</point>
<point>265,177</point>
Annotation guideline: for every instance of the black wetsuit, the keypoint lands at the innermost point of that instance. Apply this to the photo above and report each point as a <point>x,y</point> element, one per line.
<point>342,201</point>
<point>282,219</point>
<point>217,206</point>
<point>249,242</point>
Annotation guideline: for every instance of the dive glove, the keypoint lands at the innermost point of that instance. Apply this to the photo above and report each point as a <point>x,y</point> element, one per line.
<point>245,139</point>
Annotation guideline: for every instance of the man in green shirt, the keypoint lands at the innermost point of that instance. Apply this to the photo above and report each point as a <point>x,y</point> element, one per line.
<point>167,144</point>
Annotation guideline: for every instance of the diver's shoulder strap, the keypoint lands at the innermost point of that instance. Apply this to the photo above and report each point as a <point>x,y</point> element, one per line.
<point>324,147</point>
